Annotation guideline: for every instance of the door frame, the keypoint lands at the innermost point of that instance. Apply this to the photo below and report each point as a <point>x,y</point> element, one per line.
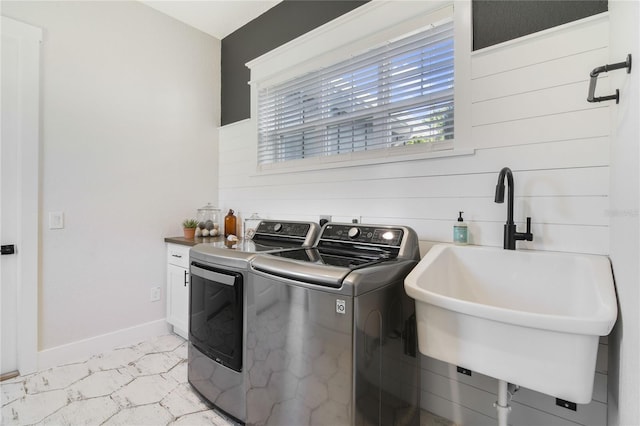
<point>27,243</point>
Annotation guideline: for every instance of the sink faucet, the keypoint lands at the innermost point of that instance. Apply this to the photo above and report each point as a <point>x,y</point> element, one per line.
<point>510,233</point>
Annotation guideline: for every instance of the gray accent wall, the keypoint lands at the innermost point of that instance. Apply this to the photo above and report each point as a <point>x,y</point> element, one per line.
<point>496,21</point>
<point>282,23</point>
<point>493,22</point>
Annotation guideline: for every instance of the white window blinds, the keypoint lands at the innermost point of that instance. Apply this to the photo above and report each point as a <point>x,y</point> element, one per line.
<point>395,95</point>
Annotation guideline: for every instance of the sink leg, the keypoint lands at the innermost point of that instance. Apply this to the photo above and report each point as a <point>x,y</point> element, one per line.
<point>502,404</point>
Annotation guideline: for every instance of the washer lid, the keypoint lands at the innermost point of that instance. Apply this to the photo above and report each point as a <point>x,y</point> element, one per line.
<point>301,270</point>
<point>315,266</point>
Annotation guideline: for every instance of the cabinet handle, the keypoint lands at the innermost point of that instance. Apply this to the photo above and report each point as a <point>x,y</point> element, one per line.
<point>185,278</point>
<point>179,256</point>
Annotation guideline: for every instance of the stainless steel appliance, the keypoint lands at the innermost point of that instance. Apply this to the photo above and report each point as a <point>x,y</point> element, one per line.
<point>337,343</point>
<point>217,362</point>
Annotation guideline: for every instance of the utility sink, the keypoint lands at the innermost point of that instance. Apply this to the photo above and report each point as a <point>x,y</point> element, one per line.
<point>530,318</point>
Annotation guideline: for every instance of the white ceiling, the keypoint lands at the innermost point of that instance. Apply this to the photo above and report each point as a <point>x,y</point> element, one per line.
<point>218,18</point>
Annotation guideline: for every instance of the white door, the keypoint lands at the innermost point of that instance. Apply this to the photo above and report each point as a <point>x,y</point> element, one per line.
<point>9,204</point>
<point>19,149</point>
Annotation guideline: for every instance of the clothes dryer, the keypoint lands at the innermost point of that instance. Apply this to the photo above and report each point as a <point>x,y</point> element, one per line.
<point>217,359</point>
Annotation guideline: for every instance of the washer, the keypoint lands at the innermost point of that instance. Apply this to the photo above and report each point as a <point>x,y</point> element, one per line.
<point>217,361</point>
<point>338,344</point>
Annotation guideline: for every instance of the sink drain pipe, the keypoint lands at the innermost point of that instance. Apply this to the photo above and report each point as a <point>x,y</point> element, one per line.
<point>505,393</point>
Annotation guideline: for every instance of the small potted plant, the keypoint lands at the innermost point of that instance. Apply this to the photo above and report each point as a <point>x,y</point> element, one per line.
<point>189,227</point>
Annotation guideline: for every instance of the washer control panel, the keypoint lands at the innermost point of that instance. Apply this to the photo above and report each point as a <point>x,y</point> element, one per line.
<point>285,229</point>
<point>363,234</point>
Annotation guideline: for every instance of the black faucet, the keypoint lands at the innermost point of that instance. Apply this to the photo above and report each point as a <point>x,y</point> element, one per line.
<point>510,233</point>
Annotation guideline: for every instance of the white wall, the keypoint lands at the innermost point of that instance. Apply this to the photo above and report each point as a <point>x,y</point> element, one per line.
<point>529,112</point>
<point>129,107</point>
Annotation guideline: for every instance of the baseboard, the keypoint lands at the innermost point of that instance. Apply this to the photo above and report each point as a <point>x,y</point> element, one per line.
<point>83,349</point>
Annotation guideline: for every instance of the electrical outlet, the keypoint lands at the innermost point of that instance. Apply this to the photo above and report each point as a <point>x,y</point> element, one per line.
<point>56,220</point>
<point>155,294</point>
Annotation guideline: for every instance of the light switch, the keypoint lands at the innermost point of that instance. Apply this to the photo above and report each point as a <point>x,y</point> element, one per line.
<point>56,220</point>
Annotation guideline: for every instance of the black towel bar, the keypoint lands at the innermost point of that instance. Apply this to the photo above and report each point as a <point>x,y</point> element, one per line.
<point>605,68</point>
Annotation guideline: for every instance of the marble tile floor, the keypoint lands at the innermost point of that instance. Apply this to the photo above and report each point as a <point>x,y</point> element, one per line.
<point>144,384</point>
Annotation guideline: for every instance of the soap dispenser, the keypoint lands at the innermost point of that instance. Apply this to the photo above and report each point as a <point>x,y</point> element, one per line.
<point>460,231</point>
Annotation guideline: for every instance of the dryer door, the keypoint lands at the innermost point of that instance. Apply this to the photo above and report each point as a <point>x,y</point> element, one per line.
<point>216,312</point>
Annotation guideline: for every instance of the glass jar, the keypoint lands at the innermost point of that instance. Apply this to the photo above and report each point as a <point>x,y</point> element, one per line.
<point>250,225</point>
<point>208,221</point>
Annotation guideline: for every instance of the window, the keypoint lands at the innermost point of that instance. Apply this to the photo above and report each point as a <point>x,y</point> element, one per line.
<point>395,95</point>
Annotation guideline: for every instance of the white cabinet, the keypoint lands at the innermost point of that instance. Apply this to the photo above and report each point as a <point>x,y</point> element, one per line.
<point>178,288</point>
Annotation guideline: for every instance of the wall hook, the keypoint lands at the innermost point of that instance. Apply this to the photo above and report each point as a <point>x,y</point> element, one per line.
<point>605,68</point>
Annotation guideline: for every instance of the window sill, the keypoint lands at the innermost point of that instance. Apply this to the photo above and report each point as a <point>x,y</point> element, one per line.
<point>354,160</point>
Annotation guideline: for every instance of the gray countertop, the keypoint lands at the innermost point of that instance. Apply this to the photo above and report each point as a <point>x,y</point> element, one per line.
<point>192,241</point>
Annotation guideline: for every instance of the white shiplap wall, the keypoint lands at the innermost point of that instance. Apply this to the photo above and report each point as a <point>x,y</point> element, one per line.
<point>528,112</point>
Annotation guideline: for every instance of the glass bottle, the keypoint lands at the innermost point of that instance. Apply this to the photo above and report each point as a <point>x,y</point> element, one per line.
<point>230,224</point>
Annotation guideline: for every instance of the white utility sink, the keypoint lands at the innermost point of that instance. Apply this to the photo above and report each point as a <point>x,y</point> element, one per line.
<point>530,318</point>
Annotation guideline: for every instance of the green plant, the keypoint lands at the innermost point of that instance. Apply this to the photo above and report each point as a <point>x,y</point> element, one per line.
<point>190,223</point>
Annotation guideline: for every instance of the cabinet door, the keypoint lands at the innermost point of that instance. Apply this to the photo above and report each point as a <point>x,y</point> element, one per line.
<point>178,299</point>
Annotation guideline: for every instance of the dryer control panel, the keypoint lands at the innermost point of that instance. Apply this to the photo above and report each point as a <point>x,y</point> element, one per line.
<point>283,229</point>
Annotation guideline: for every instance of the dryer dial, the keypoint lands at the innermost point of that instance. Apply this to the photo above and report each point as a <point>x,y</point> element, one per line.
<point>354,232</point>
